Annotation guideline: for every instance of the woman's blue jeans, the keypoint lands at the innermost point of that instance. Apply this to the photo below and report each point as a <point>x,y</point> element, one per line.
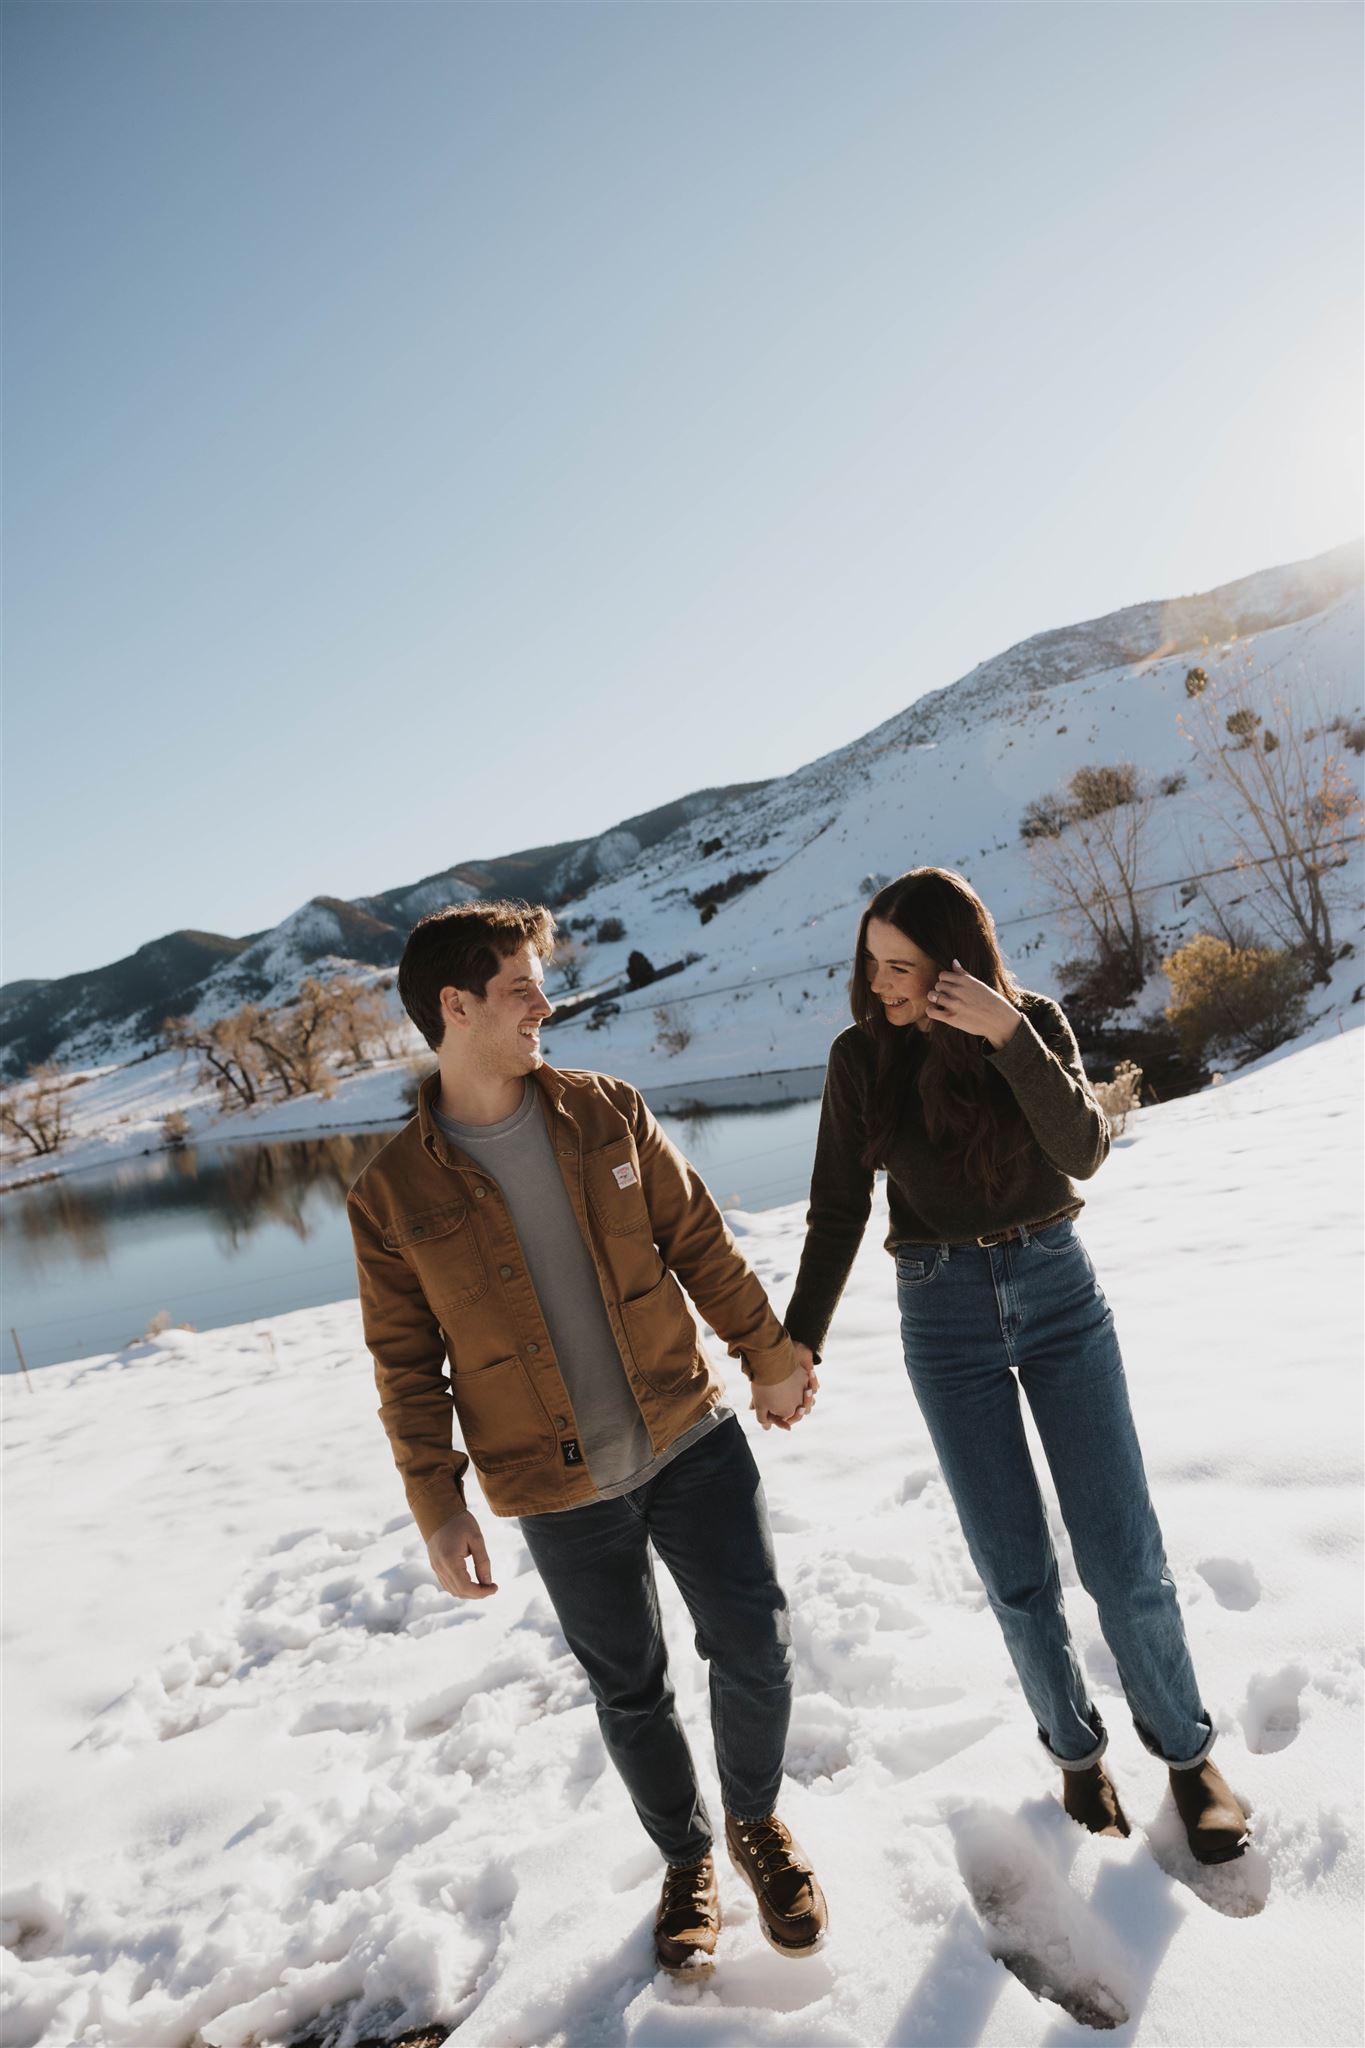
<point>978,1323</point>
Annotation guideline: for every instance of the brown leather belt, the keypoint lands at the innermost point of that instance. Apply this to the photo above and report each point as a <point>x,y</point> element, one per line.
<point>1012,1236</point>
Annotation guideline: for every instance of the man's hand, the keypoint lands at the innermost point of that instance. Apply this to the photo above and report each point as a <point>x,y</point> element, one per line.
<point>781,1403</point>
<point>456,1545</point>
<point>959,999</point>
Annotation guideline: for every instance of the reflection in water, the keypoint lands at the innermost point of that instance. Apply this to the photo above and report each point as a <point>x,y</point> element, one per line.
<point>229,1233</point>
<point>276,1183</point>
<point>239,1188</point>
<point>57,1218</point>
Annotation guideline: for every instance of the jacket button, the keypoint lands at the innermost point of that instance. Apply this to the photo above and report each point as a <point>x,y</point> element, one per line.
<point>532,1349</point>
<point>561,1422</point>
<point>504,1272</point>
<point>419,1229</point>
<point>479,1194</point>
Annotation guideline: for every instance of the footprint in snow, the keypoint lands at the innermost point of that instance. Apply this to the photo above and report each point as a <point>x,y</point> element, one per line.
<point>1270,1713</point>
<point>914,1483</point>
<point>1232,1581</point>
<point>1238,1890</point>
<point>1036,1925</point>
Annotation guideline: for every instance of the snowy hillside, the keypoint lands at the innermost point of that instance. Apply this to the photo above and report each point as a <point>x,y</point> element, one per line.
<point>261,1770</point>
<point>945,782</point>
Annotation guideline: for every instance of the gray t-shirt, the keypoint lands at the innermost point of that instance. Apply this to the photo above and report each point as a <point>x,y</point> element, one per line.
<point>612,1437</point>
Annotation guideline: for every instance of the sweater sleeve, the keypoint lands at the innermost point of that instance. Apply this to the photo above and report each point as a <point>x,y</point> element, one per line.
<point>1042,1064</point>
<point>840,1202</point>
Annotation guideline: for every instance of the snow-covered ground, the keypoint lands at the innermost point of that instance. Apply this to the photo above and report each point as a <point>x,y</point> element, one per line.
<point>260,1766</point>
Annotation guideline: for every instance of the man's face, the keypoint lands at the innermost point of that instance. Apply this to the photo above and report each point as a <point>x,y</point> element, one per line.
<point>502,1032</point>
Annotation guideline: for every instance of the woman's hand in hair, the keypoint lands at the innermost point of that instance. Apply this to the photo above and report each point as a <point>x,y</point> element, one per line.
<point>959,999</point>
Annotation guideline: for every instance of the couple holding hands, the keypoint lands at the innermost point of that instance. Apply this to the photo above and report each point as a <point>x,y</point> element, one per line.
<point>523,1244</point>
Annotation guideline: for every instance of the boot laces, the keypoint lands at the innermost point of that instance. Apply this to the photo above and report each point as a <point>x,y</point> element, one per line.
<point>684,1885</point>
<point>770,1846</point>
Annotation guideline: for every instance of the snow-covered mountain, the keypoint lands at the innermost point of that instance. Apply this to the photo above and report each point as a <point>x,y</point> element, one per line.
<point>116,1012</point>
<point>763,883</point>
<point>947,782</point>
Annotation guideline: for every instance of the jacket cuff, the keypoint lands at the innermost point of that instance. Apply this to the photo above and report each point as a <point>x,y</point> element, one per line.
<point>773,1363</point>
<point>434,1506</point>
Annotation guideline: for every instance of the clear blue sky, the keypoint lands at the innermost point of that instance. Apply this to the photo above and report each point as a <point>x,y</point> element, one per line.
<point>432,430</point>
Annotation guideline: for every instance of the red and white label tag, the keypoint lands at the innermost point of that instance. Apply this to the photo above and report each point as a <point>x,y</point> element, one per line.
<point>624,1176</point>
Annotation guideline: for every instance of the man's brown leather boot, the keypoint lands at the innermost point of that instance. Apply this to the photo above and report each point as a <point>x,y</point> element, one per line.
<point>1090,1798</point>
<point>688,1919</point>
<point>791,1905</point>
<point>1215,1826</point>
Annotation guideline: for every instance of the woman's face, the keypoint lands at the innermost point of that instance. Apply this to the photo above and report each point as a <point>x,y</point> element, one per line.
<point>899,975</point>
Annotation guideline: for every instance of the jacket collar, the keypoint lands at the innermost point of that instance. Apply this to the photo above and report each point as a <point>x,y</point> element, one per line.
<point>549,1082</point>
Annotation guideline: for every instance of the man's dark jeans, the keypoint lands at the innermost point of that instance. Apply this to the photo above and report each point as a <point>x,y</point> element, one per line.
<point>706,1517</point>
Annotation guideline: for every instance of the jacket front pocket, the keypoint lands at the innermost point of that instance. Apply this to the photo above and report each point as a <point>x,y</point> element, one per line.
<point>663,1337</point>
<point>501,1419</point>
<point>440,1246</point>
<point>612,1177</point>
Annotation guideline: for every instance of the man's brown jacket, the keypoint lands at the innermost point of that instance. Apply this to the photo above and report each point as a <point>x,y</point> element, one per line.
<point>443,1279</point>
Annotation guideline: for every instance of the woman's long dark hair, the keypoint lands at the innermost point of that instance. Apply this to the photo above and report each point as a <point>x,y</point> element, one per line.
<point>966,1105</point>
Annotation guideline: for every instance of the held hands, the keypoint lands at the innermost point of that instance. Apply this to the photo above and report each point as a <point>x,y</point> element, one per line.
<point>781,1403</point>
<point>456,1545</point>
<point>959,999</point>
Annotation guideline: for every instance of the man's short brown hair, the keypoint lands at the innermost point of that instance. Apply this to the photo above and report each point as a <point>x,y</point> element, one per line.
<point>463,946</point>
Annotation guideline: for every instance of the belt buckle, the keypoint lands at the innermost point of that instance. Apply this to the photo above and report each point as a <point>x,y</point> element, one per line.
<point>991,1239</point>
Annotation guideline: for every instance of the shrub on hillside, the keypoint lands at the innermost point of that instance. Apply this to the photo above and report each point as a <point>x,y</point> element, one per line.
<point>1242,724</point>
<point>610,931</point>
<point>716,893</point>
<point>1096,790</point>
<point>675,1033</point>
<point>1237,1000</point>
<point>1045,817</point>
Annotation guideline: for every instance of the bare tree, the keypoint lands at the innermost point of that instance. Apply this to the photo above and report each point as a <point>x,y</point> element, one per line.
<point>1093,862</point>
<point>1285,797</point>
<point>297,1041</point>
<point>570,959</point>
<point>361,1020</point>
<point>37,1111</point>
<point>230,1063</point>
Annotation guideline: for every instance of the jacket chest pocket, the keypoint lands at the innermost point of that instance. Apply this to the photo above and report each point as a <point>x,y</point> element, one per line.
<point>440,1246</point>
<point>611,1175</point>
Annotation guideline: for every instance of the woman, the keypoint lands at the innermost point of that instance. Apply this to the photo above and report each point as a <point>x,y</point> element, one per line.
<point>970,1092</point>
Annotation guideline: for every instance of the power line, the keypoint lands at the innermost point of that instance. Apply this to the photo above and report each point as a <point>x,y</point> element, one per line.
<point>1024,917</point>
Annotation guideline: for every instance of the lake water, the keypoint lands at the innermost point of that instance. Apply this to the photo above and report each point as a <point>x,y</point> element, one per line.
<point>223,1234</point>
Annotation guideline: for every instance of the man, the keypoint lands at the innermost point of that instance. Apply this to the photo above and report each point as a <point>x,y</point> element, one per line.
<point>530,1228</point>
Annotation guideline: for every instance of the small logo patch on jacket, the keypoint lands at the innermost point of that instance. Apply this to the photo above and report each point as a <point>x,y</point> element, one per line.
<point>624,1176</point>
<point>569,1448</point>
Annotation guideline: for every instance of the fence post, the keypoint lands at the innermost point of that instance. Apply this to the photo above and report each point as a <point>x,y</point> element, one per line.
<point>22,1360</point>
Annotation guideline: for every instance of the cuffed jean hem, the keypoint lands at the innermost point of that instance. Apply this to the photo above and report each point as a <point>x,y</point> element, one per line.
<point>1189,1763</point>
<point>692,1857</point>
<point>1092,1756</point>
<point>685,1858</point>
